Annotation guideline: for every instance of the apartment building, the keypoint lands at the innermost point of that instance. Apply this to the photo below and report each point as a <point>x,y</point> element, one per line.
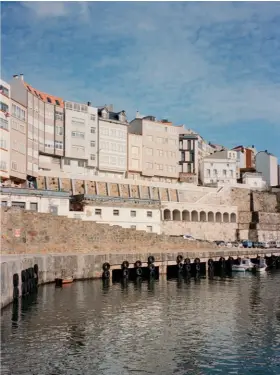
<point>267,164</point>
<point>18,142</point>
<point>160,148</point>
<point>5,130</point>
<point>219,167</point>
<point>245,157</point>
<point>45,126</point>
<point>81,139</point>
<point>112,147</point>
<point>188,163</point>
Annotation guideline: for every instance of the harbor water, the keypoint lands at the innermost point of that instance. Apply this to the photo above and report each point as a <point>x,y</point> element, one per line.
<point>179,326</point>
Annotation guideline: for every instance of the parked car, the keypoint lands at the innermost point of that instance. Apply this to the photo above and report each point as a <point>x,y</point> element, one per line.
<point>278,244</point>
<point>256,244</point>
<point>220,243</point>
<point>188,237</point>
<point>272,244</point>
<point>247,244</point>
<point>264,245</point>
<point>235,244</point>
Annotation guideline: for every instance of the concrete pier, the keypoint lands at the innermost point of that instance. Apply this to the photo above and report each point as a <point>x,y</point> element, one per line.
<point>89,266</point>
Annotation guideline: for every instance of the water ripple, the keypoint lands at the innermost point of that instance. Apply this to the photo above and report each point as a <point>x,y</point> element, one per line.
<point>163,327</point>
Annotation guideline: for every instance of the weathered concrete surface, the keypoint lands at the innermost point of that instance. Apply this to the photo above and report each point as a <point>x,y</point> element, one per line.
<point>87,266</point>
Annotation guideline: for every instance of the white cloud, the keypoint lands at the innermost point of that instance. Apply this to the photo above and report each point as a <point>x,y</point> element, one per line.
<point>48,9</point>
<point>199,63</point>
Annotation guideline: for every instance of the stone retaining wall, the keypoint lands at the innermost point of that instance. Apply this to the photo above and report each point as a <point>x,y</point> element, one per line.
<point>27,232</point>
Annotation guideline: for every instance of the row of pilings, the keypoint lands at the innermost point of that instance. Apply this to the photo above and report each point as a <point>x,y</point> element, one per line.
<point>183,267</point>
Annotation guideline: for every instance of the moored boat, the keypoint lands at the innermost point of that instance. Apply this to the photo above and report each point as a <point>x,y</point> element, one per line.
<point>244,265</point>
<point>261,266</point>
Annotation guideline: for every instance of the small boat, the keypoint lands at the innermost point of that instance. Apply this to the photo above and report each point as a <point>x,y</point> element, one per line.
<point>261,266</point>
<point>244,265</point>
<point>67,280</point>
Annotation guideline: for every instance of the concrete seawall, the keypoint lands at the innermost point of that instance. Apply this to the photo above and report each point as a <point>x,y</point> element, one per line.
<point>88,266</point>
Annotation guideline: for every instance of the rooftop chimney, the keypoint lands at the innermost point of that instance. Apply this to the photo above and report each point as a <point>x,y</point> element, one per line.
<point>22,76</point>
<point>137,114</point>
<point>89,104</point>
<point>265,151</point>
<point>253,146</point>
<point>15,76</point>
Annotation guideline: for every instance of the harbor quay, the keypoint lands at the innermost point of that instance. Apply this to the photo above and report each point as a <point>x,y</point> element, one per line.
<point>46,268</point>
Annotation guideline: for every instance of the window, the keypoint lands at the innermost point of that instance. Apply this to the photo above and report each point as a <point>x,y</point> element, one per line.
<point>208,173</point>
<point>92,157</point>
<point>4,203</point>
<point>224,172</point>
<point>14,166</point>
<point>4,124</point>
<point>189,145</point>
<point>59,130</point>
<point>77,134</point>
<point>78,149</point>
<point>3,165</point>
<point>33,206</point>
<point>49,100</point>
<point>4,107</point>
<point>98,211</point>
<point>149,214</point>
<point>81,163</point>
<point>149,151</point>
<point>59,116</point>
<point>57,102</point>
<point>189,168</point>
<point>92,130</point>
<point>159,140</point>
<point>77,121</point>
<point>149,165</point>
<point>133,226</point>
<point>133,213</point>
<point>92,117</point>
<point>92,143</point>
<point>116,212</point>
<point>67,162</point>
<point>18,204</point>
<point>149,228</point>
<point>4,90</point>
<point>3,143</point>
<point>58,144</point>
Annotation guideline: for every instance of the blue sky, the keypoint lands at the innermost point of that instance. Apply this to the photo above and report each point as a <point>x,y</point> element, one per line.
<point>214,67</point>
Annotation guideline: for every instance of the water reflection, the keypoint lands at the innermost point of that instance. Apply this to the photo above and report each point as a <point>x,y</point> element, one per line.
<point>181,326</point>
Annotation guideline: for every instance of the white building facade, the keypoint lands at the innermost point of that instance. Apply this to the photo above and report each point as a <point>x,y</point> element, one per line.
<point>81,139</point>
<point>160,148</point>
<point>53,202</point>
<point>5,130</point>
<point>219,167</point>
<point>267,164</point>
<point>112,147</point>
<point>138,218</point>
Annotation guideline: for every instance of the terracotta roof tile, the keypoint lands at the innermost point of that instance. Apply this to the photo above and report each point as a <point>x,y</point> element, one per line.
<point>47,98</point>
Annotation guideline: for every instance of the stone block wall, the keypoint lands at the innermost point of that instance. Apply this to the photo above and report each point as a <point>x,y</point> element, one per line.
<point>240,198</point>
<point>264,201</point>
<point>36,233</point>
